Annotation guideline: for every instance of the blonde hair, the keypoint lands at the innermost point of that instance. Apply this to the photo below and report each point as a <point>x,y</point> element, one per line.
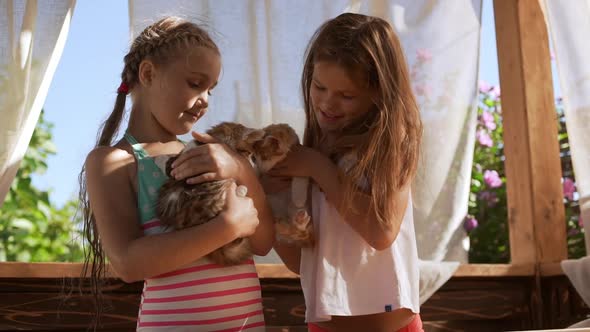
<point>387,142</point>
<point>161,43</point>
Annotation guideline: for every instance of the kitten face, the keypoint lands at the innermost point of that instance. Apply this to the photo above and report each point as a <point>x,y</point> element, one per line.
<point>264,148</point>
<point>238,137</point>
<point>277,142</point>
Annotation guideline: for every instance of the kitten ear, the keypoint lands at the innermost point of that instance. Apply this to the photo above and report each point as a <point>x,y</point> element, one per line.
<point>272,142</point>
<point>258,145</point>
<point>253,135</point>
<point>250,139</point>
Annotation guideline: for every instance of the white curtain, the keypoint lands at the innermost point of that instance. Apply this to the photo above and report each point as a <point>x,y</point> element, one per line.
<point>263,43</point>
<point>32,40</point>
<point>569,26</point>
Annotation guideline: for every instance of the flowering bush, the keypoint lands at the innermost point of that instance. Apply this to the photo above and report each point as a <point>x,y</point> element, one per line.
<point>487,217</point>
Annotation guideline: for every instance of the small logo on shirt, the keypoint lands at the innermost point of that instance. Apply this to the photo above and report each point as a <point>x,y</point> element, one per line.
<point>388,308</point>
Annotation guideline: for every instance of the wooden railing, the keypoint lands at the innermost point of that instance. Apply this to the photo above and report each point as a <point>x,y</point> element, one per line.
<point>482,297</point>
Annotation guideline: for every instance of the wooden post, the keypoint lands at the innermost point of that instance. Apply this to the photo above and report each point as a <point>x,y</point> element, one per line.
<point>536,213</point>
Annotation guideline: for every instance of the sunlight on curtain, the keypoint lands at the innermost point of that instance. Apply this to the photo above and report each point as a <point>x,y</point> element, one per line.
<point>263,43</point>
<point>32,40</point>
<point>569,26</point>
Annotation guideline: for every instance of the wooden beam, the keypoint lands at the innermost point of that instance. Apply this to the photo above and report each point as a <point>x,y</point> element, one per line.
<point>536,215</point>
<point>43,270</point>
<point>274,271</point>
<point>494,270</point>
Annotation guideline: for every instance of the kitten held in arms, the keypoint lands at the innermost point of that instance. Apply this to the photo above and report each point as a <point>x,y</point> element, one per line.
<point>292,220</point>
<point>182,205</point>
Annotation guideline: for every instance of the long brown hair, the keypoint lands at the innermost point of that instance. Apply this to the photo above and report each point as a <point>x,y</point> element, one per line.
<point>160,42</point>
<point>387,142</point>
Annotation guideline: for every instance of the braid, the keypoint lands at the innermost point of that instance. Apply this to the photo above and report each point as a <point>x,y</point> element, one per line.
<point>160,41</point>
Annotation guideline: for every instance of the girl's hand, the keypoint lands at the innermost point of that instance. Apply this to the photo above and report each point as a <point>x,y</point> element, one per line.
<point>209,162</point>
<point>275,184</point>
<point>300,162</point>
<point>239,214</point>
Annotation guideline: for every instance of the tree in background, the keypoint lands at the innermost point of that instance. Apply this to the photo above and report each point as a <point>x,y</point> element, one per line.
<point>32,229</point>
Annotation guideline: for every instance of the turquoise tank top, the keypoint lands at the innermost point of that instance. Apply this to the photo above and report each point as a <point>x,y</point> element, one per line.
<point>149,180</point>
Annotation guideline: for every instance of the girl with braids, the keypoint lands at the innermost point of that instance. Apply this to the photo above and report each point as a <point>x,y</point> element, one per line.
<point>361,147</point>
<point>169,72</point>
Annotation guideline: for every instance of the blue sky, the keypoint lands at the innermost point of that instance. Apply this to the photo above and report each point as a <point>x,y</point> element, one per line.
<point>82,92</point>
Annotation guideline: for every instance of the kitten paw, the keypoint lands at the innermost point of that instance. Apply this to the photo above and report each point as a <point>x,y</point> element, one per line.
<point>301,219</point>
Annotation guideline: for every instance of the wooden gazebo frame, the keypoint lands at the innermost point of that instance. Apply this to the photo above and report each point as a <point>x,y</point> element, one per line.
<point>530,292</point>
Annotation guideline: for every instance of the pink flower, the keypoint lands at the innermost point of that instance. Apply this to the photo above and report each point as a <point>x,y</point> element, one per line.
<point>491,125</point>
<point>470,223</point>
<point>490,197</point>
<point>488,120</point>
<point>423,55</point>
<point>487,117</point>
<point>573,232</point>
<point>569,187</point>
<point>484,87</point>
<point>484,138</point>
<point>492,179</point>
<point>495,92</point>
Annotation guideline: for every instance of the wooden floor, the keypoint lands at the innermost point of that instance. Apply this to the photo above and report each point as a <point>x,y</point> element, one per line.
<point>465,303</point>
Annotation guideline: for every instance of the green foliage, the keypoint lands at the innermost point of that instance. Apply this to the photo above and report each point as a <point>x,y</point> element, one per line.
<point>487,213</point>
<point>32,229</point>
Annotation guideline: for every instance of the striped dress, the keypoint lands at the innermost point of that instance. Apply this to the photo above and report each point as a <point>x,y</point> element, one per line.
<point>202,296</point>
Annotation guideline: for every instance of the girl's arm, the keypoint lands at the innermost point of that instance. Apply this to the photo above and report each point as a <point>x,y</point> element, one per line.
<point>290,255</point>
<point>136,257</point>
<point>215,161</point>
<point>304,161</point>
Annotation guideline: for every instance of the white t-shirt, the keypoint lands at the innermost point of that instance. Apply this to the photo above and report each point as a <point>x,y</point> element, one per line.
<point>343,275</point>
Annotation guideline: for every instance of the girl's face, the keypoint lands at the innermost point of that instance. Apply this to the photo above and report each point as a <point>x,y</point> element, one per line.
<point>181,89</point>
<point>337,99</point>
